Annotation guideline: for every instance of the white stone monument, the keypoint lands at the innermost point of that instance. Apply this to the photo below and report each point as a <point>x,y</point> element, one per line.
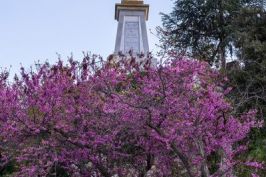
<point>131,32</point>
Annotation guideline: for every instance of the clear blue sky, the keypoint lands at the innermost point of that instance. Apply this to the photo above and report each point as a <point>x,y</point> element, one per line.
<point>32,30</point>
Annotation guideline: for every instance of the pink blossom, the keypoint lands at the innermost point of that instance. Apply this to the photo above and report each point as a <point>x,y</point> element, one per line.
<point>106,119</point>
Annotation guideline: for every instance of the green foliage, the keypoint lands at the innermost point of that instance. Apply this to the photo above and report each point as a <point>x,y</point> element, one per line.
<point>8,169</point>
<point>58,171</point>
<point>249,81</point>
<point>214,159</point>
<point>203,29</point>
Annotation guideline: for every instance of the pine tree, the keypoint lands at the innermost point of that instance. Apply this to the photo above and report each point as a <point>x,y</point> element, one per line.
<point>203,29</point>
<point>249,82</point>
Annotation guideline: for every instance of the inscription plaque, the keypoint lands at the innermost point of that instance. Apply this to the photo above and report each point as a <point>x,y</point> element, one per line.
<point>132,37</point>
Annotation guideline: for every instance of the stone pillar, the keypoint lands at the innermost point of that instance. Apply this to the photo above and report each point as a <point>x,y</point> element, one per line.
<point>131,32</point>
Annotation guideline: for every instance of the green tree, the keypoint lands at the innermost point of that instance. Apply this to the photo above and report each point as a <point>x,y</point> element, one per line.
<point>203,29</point>
<point>249,81</point>
<point>250,42</point>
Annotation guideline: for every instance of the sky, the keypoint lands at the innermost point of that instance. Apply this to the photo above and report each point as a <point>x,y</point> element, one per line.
<point>39,30</point>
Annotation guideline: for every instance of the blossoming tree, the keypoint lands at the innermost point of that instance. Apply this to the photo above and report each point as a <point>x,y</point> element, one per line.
<point>125,119</point>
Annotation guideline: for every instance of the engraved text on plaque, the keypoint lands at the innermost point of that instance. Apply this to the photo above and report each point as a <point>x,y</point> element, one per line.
<point>132,37</point>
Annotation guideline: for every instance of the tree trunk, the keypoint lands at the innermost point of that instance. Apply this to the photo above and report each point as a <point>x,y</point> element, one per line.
<point>204,166</point>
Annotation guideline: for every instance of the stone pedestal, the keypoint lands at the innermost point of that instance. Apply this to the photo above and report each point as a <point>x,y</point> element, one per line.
<point>131,32</point>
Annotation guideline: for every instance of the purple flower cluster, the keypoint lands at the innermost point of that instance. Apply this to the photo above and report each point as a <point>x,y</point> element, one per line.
<point>104,119</point>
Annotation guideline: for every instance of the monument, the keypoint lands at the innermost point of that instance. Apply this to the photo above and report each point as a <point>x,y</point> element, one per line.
<point>131,32</point>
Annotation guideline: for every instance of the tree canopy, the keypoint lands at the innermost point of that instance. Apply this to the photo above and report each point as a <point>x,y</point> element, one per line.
<point>93,119</point>
<point>203,29</point>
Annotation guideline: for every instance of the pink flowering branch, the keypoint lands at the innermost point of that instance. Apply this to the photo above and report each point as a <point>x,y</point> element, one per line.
<point>122,118</point>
